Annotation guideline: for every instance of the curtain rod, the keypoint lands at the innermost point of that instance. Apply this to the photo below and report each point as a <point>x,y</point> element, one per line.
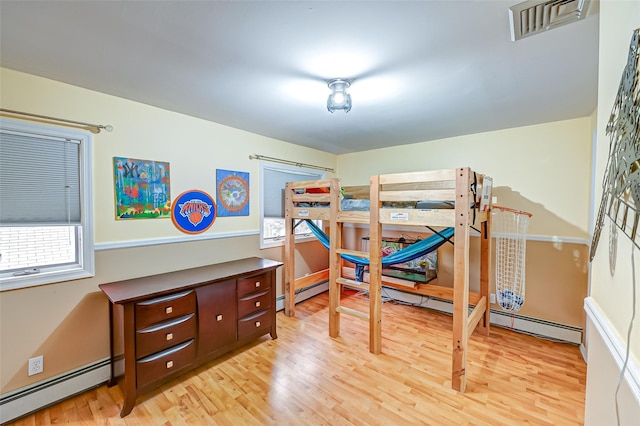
<point>97,127</point>
<point>289,162</point>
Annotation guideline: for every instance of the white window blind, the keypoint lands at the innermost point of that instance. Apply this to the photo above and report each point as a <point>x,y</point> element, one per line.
<point>274,183</point>
<point>39,180</point>
<point>46,204</point>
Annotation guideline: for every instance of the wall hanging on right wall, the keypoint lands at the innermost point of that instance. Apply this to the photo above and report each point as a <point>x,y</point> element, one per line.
<point>621,185</point>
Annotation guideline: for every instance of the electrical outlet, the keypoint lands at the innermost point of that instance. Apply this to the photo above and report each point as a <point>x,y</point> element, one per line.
<point>36,365</point>
<point>492,298</point>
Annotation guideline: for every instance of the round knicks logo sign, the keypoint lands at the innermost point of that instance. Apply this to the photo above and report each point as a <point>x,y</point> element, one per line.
<point>193,212</point>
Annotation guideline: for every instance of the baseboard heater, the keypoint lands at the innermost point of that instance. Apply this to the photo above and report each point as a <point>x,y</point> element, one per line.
<point>519,323</point>
<point>37,396</point>
<point>32,398</point>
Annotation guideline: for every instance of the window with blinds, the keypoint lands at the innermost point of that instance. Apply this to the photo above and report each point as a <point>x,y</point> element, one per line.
<point>273,181</point>
<point>46,232</point>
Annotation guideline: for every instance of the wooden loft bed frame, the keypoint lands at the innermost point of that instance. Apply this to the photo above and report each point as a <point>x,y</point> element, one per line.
<point>328,191</point>
<point>462,185</point>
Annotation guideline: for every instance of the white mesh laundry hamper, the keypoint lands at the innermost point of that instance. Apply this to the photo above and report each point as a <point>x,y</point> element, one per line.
<point>510,230</point>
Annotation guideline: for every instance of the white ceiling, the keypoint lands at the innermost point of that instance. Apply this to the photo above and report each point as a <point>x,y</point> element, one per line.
<point>420,70</point>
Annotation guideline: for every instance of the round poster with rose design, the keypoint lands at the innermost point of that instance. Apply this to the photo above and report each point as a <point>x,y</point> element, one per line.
<point>233,193</point>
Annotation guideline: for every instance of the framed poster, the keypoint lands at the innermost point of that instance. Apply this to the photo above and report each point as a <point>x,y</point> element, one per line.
<point>142,188</point>
<point>232,193</point>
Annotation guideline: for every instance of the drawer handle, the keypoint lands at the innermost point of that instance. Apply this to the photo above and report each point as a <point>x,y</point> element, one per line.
<point>257,283</point>
<point>258,304</point>
<point>168,309</point>
<point>169,336</point>
<point>257,324</point>
<point>218,317</point>
<point>169,364</point>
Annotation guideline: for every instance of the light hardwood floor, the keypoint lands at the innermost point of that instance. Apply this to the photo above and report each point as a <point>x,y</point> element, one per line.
<point>307,378</point>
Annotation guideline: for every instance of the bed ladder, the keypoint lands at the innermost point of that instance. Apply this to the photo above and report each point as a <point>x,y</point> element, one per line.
<point>336,277</point>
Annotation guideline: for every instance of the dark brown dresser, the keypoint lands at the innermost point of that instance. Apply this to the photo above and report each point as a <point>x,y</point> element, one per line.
<point>164,325</point>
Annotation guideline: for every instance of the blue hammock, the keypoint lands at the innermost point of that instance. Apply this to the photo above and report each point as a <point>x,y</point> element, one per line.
<point>413,251</point>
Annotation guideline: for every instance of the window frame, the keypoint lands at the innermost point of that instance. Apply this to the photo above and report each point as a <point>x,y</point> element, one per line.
<point>85,265</point>
<point>313,174</point>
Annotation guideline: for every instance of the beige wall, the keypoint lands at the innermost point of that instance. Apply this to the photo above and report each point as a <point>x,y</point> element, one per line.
<point>194,148</point>
<point>543,169</point>
<point>556,275</point>
<point>67,323</point>
<point>613,294</point>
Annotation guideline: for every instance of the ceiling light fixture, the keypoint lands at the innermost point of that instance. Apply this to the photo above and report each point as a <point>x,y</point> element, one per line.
<point>339,99</point>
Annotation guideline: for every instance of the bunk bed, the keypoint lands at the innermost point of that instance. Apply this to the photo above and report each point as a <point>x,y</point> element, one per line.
<point>453,198</point>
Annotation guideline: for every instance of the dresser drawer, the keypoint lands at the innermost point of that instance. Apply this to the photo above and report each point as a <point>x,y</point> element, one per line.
<point>253,284</point>
<point>159,365</point>
<point>163,308</point>
<point>253,303</point>
<point>164,335</point>
<point>254,323</point>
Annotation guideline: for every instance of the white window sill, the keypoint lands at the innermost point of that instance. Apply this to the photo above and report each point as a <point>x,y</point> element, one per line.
<point>14,283</point>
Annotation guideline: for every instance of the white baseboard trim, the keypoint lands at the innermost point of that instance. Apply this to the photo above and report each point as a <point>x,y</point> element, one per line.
<point>615,345</point>
<point>34,397</point>
<point>520,323</point>
<point>42,394</point>
<point>534,326</point>
<point>304,294</point>
<point>39,395</point>
<point>583,352</point>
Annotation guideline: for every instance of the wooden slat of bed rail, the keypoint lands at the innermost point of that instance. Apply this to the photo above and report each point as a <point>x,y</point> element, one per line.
<point>311,198</point>
<point>444,293</point>
<point>431,290</point>
<point>476,315</point>
<point>418,195</point>
<point>353,283</point>
<point>438,184</point>
<point>441,217</point>
<point>358,192</point>
<point>353,313</point>
<point>430,175</point>
<point>321,183</point>
<point>349,272</point>
<point>357,253</point>
<point>353,216</point>
<point>317,213</point>
<point>314,278</point>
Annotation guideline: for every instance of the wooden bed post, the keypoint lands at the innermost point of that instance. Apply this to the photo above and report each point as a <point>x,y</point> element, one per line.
<point>460,280</point>
<point>335,260</point>
<point>288,276</point>
<point>375,268</point>
<point>485,271</point>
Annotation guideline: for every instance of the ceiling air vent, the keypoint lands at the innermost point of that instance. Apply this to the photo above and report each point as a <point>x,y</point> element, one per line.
<point>535,16</point>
